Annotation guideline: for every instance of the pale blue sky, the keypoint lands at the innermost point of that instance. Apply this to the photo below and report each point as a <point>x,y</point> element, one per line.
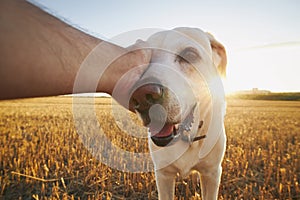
<point>272,27</point>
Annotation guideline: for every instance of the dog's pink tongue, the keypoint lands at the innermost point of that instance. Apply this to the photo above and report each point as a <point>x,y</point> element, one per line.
<point>164,132</point>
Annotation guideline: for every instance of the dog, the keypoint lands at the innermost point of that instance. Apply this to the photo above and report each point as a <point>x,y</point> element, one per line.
<point>180,98</point>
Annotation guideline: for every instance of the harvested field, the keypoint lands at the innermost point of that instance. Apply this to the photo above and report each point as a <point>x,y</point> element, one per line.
<point>43,157</point>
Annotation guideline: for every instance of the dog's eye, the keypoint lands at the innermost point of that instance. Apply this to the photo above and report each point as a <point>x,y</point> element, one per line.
<point>188,55</point>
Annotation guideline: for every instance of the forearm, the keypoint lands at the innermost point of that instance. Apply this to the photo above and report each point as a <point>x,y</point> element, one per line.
<point>41,55</point>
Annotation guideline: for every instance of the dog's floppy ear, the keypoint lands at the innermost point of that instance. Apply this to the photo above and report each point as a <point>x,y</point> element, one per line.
<point>218,54</point>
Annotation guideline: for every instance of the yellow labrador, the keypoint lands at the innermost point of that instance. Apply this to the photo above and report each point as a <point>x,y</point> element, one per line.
<point>181,99</point>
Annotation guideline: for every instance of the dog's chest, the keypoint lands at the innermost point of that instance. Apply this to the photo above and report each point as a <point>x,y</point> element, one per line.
<point>186,163</point>
<point>180,156</point>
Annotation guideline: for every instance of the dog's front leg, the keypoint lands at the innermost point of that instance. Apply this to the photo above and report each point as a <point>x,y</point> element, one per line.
<point>165,182</point>
<point>210,181</point>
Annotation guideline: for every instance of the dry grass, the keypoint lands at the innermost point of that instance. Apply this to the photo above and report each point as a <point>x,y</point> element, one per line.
<point>42,157</point>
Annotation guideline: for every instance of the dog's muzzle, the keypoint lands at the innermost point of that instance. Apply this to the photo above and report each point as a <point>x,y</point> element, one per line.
<point>168,140</point>
<point>178,131</point>
<point>149,95</point>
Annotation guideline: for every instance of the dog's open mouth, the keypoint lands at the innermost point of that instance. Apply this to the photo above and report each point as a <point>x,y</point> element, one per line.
<point>170,133</point>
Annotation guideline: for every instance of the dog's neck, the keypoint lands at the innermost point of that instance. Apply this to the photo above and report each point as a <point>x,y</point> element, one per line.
<point>188,138</point>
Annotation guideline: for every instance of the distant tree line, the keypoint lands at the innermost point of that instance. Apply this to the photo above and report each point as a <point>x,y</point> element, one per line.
<point>291,96</point>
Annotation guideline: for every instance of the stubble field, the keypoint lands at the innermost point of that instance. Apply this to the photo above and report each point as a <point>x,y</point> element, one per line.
<point>43,157</point>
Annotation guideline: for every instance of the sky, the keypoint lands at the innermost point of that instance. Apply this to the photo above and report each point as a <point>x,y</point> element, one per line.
<point>262,37</point>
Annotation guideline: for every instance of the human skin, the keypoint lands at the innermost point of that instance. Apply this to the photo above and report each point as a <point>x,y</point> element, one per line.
<point>41,55</point>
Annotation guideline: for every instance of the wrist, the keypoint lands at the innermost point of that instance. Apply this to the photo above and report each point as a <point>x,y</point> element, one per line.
<point>127,61</point>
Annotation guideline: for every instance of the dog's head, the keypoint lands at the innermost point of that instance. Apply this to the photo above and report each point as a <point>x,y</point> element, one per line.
<point>173,85</point>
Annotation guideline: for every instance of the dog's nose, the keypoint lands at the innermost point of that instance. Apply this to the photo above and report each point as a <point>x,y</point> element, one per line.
<point>146,96</point>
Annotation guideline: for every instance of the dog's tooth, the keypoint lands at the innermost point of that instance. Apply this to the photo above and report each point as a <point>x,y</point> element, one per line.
<point>177,126</point>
